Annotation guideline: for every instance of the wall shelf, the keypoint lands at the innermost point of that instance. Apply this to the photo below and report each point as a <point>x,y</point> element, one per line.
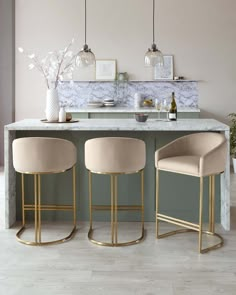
<point>158,81</point>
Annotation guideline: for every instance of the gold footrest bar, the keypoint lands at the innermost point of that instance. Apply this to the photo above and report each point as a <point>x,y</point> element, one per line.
<point>119,208</point>
<point>178,223</point>
<point>202,251</point>
<point>114,244</point>
<point>175,232</point>
<point>178,220</point>
<point>49,207</point>
<point>67,238</point>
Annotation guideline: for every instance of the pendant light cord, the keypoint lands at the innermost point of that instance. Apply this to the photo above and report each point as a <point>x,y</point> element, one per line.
<point>153,19</point>
<point>85,20</point>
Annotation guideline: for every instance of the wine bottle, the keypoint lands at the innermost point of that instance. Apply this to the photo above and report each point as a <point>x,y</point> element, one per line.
<point>173,109</point>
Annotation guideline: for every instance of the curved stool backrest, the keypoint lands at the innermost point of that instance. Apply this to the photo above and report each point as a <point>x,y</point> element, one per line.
<point>199,144</point>
<point>115,155</point>
<point>43,155</point>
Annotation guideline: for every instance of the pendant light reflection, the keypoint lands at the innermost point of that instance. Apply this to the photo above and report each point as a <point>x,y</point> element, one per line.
<point>85,57</point>
<point>153,56</point>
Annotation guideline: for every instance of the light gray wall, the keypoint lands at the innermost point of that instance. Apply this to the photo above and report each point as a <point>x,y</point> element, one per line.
<point>200,35</point>
<point>7,57</point>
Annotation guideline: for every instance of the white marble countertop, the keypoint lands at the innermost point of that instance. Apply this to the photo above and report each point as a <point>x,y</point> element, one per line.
<point>122,125</point>
<point>119,109</point>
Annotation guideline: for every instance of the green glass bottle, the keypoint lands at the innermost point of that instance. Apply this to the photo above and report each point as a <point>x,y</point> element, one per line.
<point>173,108</point>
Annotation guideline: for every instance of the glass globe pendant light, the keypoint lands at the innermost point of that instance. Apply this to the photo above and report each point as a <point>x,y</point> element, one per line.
<point>153,56</point>
<point>85,57</point>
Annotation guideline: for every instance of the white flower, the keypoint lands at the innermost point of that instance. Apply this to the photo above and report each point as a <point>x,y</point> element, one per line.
<point>69,54</point>
<point>31,56</point>
<point>31,66</point>
<point>55,66</point>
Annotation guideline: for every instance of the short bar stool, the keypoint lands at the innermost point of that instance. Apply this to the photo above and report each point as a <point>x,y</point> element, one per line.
<point>37,156</point>
<point>115,156</point>
<point>199,155</point>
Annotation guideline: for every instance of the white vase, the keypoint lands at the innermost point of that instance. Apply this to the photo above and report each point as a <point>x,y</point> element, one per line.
<point>52,105</point>
<point>234,164</point>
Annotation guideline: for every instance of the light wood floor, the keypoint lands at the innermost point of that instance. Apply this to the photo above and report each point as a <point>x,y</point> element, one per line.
<point>168,266</point>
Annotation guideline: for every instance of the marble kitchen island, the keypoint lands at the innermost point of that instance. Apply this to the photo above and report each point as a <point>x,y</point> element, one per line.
<point>154,133</point>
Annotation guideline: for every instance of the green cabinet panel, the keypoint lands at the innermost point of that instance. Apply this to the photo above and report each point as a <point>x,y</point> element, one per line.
<point>80,115</point>
<point>125,115</point>
<point>111,115</point>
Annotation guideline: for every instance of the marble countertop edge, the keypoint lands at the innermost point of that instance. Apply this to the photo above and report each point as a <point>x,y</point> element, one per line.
<point>120,125</point>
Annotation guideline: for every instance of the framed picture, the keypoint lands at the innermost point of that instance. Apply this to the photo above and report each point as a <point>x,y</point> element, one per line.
<point>105,69</point>
<point>165,72</point>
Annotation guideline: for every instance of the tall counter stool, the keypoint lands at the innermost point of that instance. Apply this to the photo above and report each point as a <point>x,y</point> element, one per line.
<point>37,156</point>
<point>115,156</point>
<point>199,155</point>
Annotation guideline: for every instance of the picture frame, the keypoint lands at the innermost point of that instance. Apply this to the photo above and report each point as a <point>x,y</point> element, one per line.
<point>165,72</point>
<point>105,69</point>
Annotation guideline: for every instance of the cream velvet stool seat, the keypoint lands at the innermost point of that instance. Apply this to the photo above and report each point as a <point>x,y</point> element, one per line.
<point>199,155</point>
<point>37,156</point>
<point>115,156</point>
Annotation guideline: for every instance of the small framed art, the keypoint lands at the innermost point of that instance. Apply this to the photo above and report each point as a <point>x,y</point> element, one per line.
<point>105,69</point>
<point>165,72</point>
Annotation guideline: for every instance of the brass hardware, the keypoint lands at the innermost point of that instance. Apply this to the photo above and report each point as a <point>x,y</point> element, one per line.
<point>114,208</point>
<point>189,226</point>
<point>38,207</point>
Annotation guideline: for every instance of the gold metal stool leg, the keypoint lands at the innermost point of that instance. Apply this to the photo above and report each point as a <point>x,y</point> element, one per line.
<point>114,208</point>
<point>37,208</point>
<point>157,203</point>
<point>212,203</point>
<point>74,196</point>
<point>90,202</point>
<point>142,202</point>
<point>189,226</point>
<point>22,204</point>
<point>115,211</point>
<point>211,230</point>
<point>200,215</point>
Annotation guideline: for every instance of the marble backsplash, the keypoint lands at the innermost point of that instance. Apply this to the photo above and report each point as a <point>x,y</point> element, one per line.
<point>76,94</point>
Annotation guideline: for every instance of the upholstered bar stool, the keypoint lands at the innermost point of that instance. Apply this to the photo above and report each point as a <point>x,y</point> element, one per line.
<point>199,155</point>
<point>37,156</point>
<point>115,156</point>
